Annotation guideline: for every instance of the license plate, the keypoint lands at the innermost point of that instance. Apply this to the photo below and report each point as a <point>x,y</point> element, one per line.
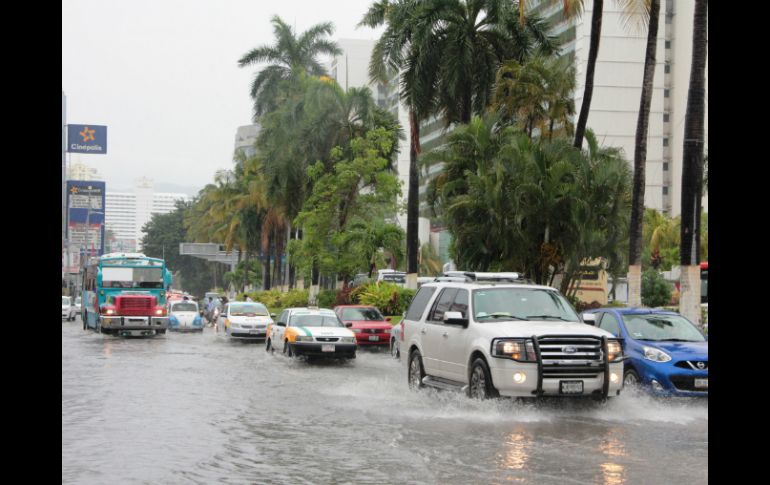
<point>374,338</point>
<point>256,331</point>
<point>570,387</point>
<point>702,383</point>
<point>327,348</point>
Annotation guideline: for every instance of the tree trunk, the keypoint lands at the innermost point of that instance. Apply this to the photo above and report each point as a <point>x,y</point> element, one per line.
<point>593,52</point>
<point>413,201</point>
<point>640,157</point>
<point>692,167</point>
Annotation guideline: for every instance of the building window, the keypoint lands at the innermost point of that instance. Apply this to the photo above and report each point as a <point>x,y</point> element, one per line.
<point>665,166</point>
<point>665,142</point>
<point>666,93</point>
<point>668,44</point>
<point>665,190</point>
<point>665,117</point>
<point>667,68</point>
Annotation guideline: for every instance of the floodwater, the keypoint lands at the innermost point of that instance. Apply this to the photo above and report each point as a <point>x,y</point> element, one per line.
<point>195,408</point>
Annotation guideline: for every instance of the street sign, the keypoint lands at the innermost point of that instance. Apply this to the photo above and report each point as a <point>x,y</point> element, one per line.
<point>87,139</point>
<point>85,217</point>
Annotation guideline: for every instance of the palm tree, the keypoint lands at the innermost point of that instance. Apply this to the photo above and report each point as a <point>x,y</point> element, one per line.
<point>447,53</point>
<point>287,58</point>
<point>369,237</point>
<point>537,95</point>
<point>692,167</point>
<point>650,9</point>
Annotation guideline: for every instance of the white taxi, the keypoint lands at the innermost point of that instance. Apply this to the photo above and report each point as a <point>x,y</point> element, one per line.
<point>312,332</point>
<point>245,320</point>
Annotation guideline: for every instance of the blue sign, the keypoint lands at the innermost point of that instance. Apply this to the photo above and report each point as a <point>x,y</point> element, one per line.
<point>86,139</point>
<point>85,215</point>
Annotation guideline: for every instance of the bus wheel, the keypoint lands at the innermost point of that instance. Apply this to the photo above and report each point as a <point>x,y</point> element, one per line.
<point>84,318</point>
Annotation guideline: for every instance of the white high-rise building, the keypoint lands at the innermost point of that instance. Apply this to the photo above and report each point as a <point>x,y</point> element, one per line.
<point>80,171</point>
<point>127,212</point>
<point>618,87</point>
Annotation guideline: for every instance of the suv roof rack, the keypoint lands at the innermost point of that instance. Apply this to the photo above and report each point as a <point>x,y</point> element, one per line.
<point>482,277</point>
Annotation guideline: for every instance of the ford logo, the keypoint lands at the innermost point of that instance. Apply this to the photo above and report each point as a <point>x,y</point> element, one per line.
<point>569,350</point>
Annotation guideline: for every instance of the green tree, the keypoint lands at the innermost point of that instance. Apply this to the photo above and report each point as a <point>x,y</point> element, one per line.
<point>289,56</point>
<point>162,235</point>
<point>358,188</point>
<point>656,291</point>
<point>537,95</point>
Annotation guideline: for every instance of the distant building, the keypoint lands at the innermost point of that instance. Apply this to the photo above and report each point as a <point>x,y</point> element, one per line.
<point>127,212</point>
<point>80,171</point>
<point>245,138</point>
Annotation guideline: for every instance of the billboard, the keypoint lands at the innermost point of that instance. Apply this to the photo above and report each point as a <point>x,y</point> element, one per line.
<point>85,220</point>
<point>87,139</point>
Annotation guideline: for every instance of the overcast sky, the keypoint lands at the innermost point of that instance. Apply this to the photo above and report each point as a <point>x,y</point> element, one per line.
<point>163,76</point>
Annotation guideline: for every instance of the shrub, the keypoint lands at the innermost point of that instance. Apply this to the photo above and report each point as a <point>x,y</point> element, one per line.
<point>326,298</point>
<point>294,298</point>
<point>656,291</point>
<point>343,297</point>
<point>389,298</point>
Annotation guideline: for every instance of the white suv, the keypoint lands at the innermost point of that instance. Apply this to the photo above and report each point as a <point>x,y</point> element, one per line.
<point>493,334</point>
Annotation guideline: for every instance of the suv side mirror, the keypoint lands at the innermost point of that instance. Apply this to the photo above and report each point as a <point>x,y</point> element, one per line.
<point>589,318</point>
<point>455,318</point>
<point>281,324</point>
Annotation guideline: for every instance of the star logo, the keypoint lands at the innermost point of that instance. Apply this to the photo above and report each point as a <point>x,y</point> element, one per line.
<point>74,190</point>
<point>87,134</point>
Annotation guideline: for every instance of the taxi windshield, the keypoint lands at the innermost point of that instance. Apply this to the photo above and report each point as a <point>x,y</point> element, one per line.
<point>310,320</point>
<point>248,310</point>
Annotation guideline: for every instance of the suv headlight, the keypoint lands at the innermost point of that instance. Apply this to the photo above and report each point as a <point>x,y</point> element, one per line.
<point>655,355</point>
<point>521,350</point>
<point>303,338</point>
<point>614,350</point>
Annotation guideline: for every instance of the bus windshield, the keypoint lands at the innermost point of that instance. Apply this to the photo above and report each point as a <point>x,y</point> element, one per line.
<point>113,277</point>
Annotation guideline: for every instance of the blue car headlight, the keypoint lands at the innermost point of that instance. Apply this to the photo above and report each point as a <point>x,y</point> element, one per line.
<point>655,355</point>
<point>173,321</point>
<point>197,320</point>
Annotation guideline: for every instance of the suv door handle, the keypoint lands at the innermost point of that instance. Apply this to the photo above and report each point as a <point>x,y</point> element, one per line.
<point>423,331</point>
<point>445,334</point>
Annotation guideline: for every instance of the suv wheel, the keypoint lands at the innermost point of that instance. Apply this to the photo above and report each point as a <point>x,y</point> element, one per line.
<point>480,386</point>
<point>416,371</point>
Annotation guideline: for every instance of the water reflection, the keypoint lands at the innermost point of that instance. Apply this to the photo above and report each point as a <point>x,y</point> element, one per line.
<point>516,454</point>
<point>614,448</point>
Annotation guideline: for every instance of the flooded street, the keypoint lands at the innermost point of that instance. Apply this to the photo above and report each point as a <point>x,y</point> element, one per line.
<point>195,408</point>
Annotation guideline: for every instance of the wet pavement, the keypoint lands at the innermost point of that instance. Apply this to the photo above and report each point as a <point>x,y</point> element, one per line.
<point>196,408</point>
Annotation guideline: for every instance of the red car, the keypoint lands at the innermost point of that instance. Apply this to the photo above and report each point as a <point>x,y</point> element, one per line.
<point>370,327</point>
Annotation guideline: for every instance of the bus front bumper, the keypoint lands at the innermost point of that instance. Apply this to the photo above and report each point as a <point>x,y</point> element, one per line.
<point>133,323</point>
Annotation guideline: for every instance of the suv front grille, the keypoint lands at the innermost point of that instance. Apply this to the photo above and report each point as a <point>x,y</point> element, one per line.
<point>327,339</point>
<point>571,357</point>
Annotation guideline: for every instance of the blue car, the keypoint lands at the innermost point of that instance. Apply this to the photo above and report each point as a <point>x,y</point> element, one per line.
<point>664,351</point>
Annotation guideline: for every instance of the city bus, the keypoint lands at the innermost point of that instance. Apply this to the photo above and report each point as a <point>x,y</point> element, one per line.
<point>124,294</point>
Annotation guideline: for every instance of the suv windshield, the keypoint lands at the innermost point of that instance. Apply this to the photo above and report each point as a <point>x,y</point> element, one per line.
<point>662,327</point>
<point>495,304</point>
<point>362,314</point>
<point>248,309</point>
<point>315,321</point>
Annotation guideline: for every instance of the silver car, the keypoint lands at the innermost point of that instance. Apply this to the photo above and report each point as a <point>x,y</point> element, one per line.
<point>67,309</point>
